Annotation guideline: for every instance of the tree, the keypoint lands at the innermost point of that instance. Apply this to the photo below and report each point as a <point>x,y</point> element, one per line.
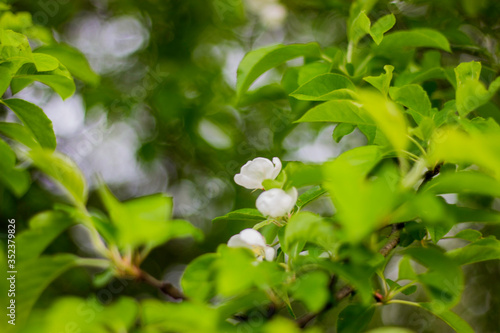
<point>430,124</point>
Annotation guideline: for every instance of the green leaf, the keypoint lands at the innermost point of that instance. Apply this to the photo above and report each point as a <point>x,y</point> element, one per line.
<point>44,228</point>
<point>352,194</point>
<point>341,130</point>
<point>73,60</point>
<point>383,81</point>
<point>401,40</point>
<point>60,80</point>
<point>308,227</point>
<point>198,279</point>
<point>312,289</point>
<point>379,28</point>
<point>19,133</point>
<point>34,119</point>
<point>157,316</point>
<point>338,111</point>
<point>8,160</point>
<point>257,62</point>
<point>413,97</point>
<point>120,316</point>
<point>470,235</point>
<point>17,180</point>
<point>145,220</point>
<point>310,195</point>
<point>325,87</point>
<point>388,118</point>
<point>5,77</point>
<point>34,276</point>
<point>394,285</point>
<point>45,63</point>
<point>302,174</point>
<point>354,318</point>
<point>406,271</point>
<point>452,319</point>
<point>281,324</point>
<point>359,27</point>
<point>63,170</point>
<point>466,182</point>
<point>471,93</point>
<point>244,215</point>
<point>15,48</point>
<point>444,279</point>
<point>455,146</point>
<point>481,250</point>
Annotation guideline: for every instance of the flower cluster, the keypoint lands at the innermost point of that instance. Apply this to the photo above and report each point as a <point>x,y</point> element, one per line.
<point>274,203</point>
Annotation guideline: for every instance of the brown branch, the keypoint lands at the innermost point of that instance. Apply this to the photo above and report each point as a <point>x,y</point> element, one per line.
<point>165,287</point>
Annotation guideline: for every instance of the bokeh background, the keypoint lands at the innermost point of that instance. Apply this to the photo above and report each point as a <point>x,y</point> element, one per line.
<point>162,117</point>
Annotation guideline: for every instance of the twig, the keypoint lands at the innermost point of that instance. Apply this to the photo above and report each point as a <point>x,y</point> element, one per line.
<point>166,287</point>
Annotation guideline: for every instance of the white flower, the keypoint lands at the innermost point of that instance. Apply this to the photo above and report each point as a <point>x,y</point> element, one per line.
<point>253,240</point>
<point>276,202</point>
<point>254,172</point>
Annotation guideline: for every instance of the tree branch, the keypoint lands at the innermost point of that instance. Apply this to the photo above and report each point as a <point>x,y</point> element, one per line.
<point>165,287</point>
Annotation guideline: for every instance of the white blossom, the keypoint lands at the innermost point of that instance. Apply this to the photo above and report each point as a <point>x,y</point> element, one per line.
<point>253,240</point>
<point>276,202</point>
<point>254,172</point>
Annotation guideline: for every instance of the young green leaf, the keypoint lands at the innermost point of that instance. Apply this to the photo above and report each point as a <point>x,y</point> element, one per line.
<point>424,37</point>
<point>19,133</point>
<point>449,317</point>
<point>45,62</point>
<point>325,87</point>
<point>311,288</point>
<point>413,97</point>
<point>468,182</point>
<point>34,119</point>
<point>257,62</point>
<point>60,80</point>
<point>245,214</point>
<point>444,279</point>
<point>309,227</point>
<point>341,130</point>
<point>73,60</point>
<point>360,27</point>
<point>64,171</point>
<point>481,250</point>
<point>388,118</point>
<point>310,195</point>
<point>44,228</point>
<point>471,93</point>
<point>338,111</point>
<point>145,220</point>
<point>354,318</point>
<point>383,81</point>
<point>470,235</point>
<point>34,276</point>
<point>198,279</point>
<point>379,28</point>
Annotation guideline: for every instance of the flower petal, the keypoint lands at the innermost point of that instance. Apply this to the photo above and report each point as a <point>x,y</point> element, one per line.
<point>270,253</point>
<point>253,238</point>
<point>277,167</point>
